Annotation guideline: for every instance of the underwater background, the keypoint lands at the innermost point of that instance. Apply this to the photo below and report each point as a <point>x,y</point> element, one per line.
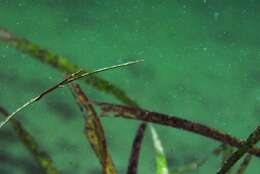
<point>202,62</point>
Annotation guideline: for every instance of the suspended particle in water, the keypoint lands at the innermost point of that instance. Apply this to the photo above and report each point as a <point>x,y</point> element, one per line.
<point>216,15</point>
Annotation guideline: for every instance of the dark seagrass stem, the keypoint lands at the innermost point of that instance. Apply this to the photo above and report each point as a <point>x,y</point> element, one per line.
<point>176,122</point>
<point>135,151</point>
<point>244,148</point>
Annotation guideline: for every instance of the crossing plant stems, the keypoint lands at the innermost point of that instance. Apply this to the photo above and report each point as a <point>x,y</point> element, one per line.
<point>129,110</point>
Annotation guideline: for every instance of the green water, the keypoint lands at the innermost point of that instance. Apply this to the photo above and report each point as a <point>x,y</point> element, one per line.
<point>201,63</point>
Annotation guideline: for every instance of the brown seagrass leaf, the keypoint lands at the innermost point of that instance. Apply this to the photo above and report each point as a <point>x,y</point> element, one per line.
<point>94,131</point>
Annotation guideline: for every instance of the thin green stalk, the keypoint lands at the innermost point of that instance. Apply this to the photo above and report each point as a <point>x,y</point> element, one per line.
<point>160,158</point>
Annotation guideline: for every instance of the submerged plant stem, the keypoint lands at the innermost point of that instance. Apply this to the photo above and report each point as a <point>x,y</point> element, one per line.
<point>244,164</point>
<point>173,121</point>
<point>160,157</point>
<point>41,157</point>
<point>135,150</point>
<point>245,147</point>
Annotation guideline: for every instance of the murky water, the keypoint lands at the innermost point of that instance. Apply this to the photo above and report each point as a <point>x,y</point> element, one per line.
<point>201,63</point>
